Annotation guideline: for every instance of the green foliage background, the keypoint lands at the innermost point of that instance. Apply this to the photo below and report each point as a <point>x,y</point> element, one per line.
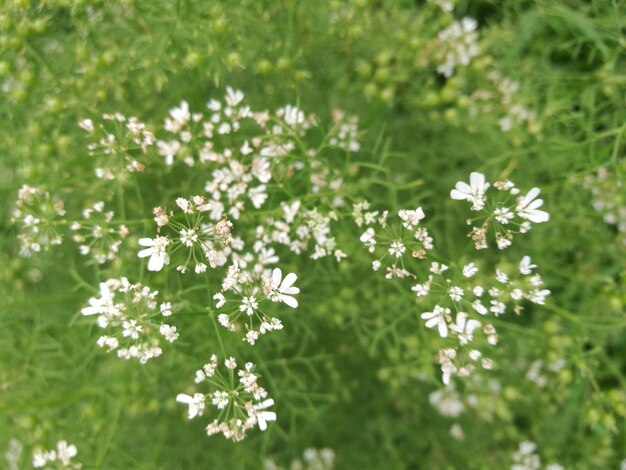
<point>345,373</point>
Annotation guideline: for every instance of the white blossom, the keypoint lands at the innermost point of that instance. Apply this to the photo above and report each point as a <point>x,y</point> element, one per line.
<point>156,252</point>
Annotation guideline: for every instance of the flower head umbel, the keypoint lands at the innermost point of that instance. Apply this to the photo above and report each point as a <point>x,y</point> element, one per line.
<point>458,45</point>
<point>399,242</point>
<point>237,399</point>
<point>132,317</point>
<point>98,236</point>
<point>115,144</point>
<point>36,214</point>
<point>246,298</point>
<point>207,243</point>
<point>506,213</point>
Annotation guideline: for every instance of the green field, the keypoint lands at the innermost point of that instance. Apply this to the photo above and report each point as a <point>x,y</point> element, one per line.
<point>373,148</point>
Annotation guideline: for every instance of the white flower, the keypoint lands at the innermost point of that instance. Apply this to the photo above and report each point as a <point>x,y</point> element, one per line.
<point>437,268</point>
<point>290,211</point>
<point>262,417</point>
<point>102,304</point>
<point>538,296</point>
<point>87,125</point>
<point>469,270</point>
<point>168,332</point>
<point>411,218</point>
<point>221,300</point>
<point>501,277</point>
<point>168,150</point>
<point>527,207</point>
<point>397,248</point>
<point>281,290</point>
<point>517,294</point>
<point>156,252</point>
<point>437,317</point>
<point>233,97</point>
<point>525,266</point>
<point>248,305</point>
<point>166,309</point>
<point>503,215</point>
<point>195,403</point>
<point>474,192</point>
<point>421,290</point>
<point>188,237</point>
<point>179,117</point>
<point>503,241</point>
<point>251,337</point>
<point>257,195</point>
<point>65,452</point>
<point>220,399</point>
<point>479,307</point>
<point>131,328</point>
<point>368,239</point>
<point>464,327</point>
<point>456,293</point>
<point>497,307</point>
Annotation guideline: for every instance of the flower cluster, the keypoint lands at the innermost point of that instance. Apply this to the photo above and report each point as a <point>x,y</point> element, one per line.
<point>61,457</point>
<point>117,143</point>
<point>515,113</point>
<point>243,295</point>
<point>131,315</point>
<point>464,307</point>
<point>203,240</point>
<point>506,211</point>
<point>240,402</point>
<point>36,214</point>
<point>97,234</point>
<point>457,302</point>
<point>297,227</point>
<point>458,45</point>
<point>501,97</point>
<point>609,199</point>
<point>396,243</point>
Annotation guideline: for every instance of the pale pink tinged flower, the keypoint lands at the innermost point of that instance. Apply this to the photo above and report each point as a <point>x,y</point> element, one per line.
<point>156,251</point>
<point>528,207</point>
